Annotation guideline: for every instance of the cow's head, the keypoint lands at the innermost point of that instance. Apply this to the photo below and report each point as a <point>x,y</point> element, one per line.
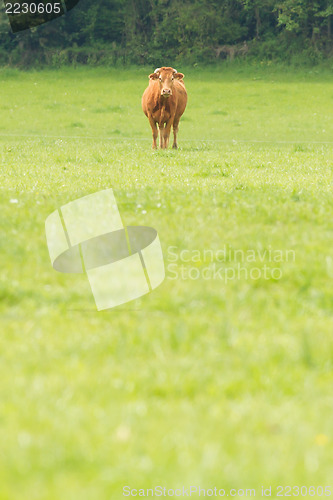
<point>166,77</point>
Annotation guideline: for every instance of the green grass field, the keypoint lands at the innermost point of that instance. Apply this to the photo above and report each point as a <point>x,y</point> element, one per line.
<point>202,382</point>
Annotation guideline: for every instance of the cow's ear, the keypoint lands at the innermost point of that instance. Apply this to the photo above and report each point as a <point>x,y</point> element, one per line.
<point>153,76</point>
<point>178,76</point>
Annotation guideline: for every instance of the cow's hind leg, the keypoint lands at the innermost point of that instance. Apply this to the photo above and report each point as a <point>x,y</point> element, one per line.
<point>175,132</point>
<point>154,130</point>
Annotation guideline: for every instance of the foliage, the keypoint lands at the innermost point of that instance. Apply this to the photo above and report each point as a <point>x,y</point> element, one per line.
<point>195,31</point>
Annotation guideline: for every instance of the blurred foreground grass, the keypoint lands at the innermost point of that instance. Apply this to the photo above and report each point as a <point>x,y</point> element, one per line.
<point>202,382</point>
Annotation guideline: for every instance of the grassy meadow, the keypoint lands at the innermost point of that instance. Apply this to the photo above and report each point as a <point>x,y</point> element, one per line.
<point>206,382</point>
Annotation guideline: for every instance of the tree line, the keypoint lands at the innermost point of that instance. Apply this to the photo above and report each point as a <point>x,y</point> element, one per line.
<point>191,31</point>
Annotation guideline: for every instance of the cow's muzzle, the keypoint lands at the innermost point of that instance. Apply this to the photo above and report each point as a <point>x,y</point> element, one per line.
<point>166,92</point>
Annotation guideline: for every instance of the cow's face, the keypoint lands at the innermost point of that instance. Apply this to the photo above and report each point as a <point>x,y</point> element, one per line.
<point>166,78</point>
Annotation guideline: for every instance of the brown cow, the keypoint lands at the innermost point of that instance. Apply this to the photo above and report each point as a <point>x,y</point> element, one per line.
<point>164,102</point>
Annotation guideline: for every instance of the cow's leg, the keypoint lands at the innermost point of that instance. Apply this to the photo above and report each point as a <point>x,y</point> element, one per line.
<point>154,130</point>
<point>167,131</point>
<point>166,138</point>
<point>175,132</point>
<point>161,127</point>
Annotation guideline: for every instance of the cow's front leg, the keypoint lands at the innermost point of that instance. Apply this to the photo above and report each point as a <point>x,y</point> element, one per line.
<point>167,131</point>
<point>161,127</point>
<point>154,130</point>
